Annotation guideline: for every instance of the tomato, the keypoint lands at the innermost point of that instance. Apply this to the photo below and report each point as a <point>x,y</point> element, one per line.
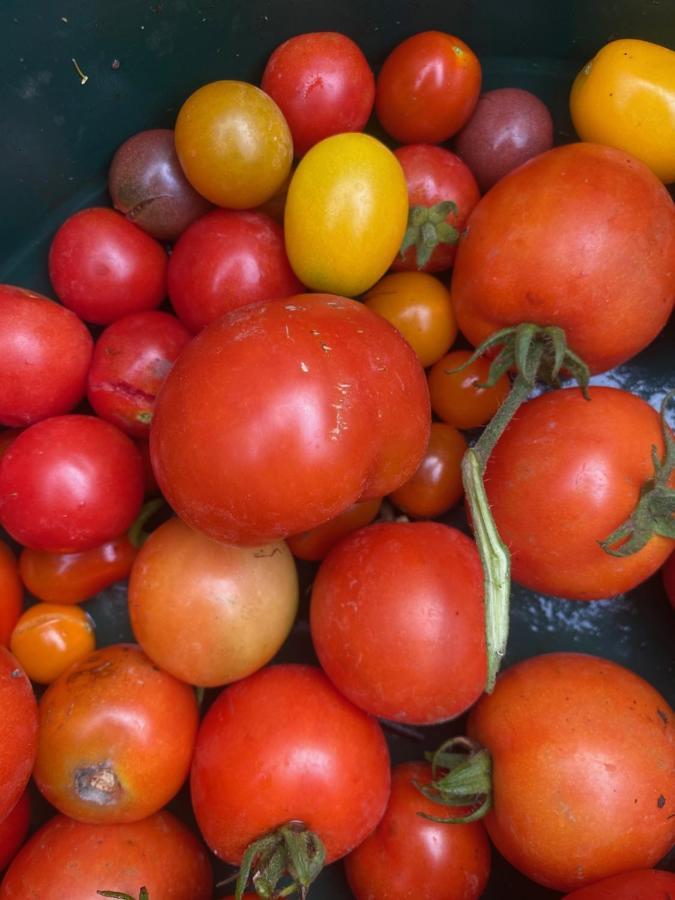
<point>323,85</point>
<point>233,143</point>
<point>284,745</point>
<point>348,193</point>
<point>668,576</point>
<point>13,830</point>
<point>7,438</point>
<point>70,483</point>
<point>645,884</point>
<point>625,98</point>
<point>131,359</point>
<point>18,714</point>
<point>116,737</point>
<point>76,860</point>
<point>104,267</point>
<point>409,596</point>
<point>11,593</point>
<point>291,414</point>
<point>49,638</point>
<point>435,175</point>
<point>315,543</point>
<point>427,88</point>
<point>418,305</point>
<point>555,243</point>
<point>575,468</point>
<point>408,856</point>
<point>45,351</point>
<point>225,260</point>
<point>210,613</point>
<point>456,396</point>
<point>583,762</point>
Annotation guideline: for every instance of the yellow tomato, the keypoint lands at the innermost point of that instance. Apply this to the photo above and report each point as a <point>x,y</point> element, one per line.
<point>625,98</point>
<point>233,144</point>
<point>346,214</point>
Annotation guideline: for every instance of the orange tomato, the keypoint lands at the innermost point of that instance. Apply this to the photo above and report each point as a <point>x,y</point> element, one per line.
<point>315,543</point>
<point>11,593</point>
<point>49,638</point>
<point>456,397</point>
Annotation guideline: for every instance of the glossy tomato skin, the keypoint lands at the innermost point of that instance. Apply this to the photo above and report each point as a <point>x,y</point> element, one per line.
<point>116,737</point>
<point>76,859</point>
<point>427,88</point>
<point>45,351</point>
<point>410,598</point>
<point>228,259</point>
<point>13,830</point>
<point>323,85</point>
<point>70,483</point>
<point>103,267</point>
<point>583,761</point>
<point>11,593</point>
<point>329,765</point>
<point>457,396</point>
<point>555,243</point>
<point>408,857</point>
<point>575,468</point>
<point>19,717</point>
<point>50,637</point>
<point>644,884</point>
<point>279,416</point>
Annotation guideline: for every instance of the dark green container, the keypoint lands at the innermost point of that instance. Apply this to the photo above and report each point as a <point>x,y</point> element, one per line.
<point>143,58</point>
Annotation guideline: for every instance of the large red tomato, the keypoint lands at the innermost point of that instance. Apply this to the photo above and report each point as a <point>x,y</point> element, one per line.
<point>643,884</point>
<point>13,830</point>
<point>280,415</point>
<point>18,746</point>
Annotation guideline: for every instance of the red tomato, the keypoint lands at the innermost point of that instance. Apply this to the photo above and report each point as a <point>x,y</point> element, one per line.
<point>45,352</point>
<point>228,259</point>
<point>323,85</point>
<point>409,857</point>
<point>7,438</point>
<point>427,88</point>
<point>455,395</point>
<point>103,267</point>
<point>289,411</point>
<point>583,767</point>
<point>575,467</point>
<point>555,243</point>
<point>13,830</point>
<point>131,359</point>
<point>410,598</point>
<point>315,543</point>
<point>668,575</point>
<point>18,714</point>
<point>76,860</point>
<point>11,593</point>
<point>645,884</point>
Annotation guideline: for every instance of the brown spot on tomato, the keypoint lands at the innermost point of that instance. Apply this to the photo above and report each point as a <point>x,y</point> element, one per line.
<point>661,802</point>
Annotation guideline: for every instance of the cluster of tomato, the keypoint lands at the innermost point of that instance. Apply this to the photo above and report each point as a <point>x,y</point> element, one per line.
<point>274,413</point>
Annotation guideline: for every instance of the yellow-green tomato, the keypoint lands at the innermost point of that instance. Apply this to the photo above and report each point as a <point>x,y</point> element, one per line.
<point>233,144</point>
<point>346,214</point>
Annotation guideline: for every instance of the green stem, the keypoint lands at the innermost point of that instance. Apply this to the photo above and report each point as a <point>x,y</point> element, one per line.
<point>144,895</point>
<point>291,851</point>
<point>466,780</point>
<point>137,534</point>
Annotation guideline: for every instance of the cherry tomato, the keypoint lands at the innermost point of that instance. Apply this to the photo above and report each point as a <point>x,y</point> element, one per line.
<point>19,717</point>
<point>77,860</point>
<point>408,856</point>
<point>11,593</point>
<point>49,638</point>
<point>668,575</point>
<point>70,483</point>
<point>456,396</point>
<point>291,414</point>
<point>418,306</point>
<point>225,260</point>
<point>315,543</point>
<point>395,585</point>
<point>583,763</point>
<point>555,243</point>
<point>427,88</point>
<point>233,143</point>
<point>103,267</point>
<point>131,359</point>
<point>116,737</point>
<point>645,884</point>
<point>13,830</point>
<point>323,85</point>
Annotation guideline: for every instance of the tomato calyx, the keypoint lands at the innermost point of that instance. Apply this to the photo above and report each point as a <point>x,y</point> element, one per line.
<point>427,228</point>
<point>461,777</point>
<point>291,851</point>
<point>144,895</point>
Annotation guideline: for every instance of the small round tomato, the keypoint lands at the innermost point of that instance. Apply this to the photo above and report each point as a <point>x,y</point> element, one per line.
<point>13,830</point>
<point>315,543</point>
<point>19,717</point>
<point>116,737</point>
<point>49,638</point>
<point>103,267</point>
<point>418,306</point>
<point>11,593</point>
<point>427,88</point>
<point>456,396</point>
<point>668,576</point>
<point>347,194</point>
<point>233,143</point>
<point>323,85</point>
<point>644,884</point>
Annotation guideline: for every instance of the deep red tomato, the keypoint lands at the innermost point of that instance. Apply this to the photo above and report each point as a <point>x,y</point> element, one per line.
<point>76,860</point>
<point>409,857</point>
<point>555,243</point>
<point>583,762</point>
<point>564,475</point>
<point>323,85</point>
<point>13,830</point>
<point>131,359</point>
<point>11,593</point>
<point>645,884</point>
<point>668,575</point>
<point>410,598</point>
<point>427,88</point>
<point>315,543</point>
<point>227,259</point>
<point>7,437</point>
<point>279,416</point>
<point>104,267</point>
<point>70,483</point>
<point>19,717</point>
